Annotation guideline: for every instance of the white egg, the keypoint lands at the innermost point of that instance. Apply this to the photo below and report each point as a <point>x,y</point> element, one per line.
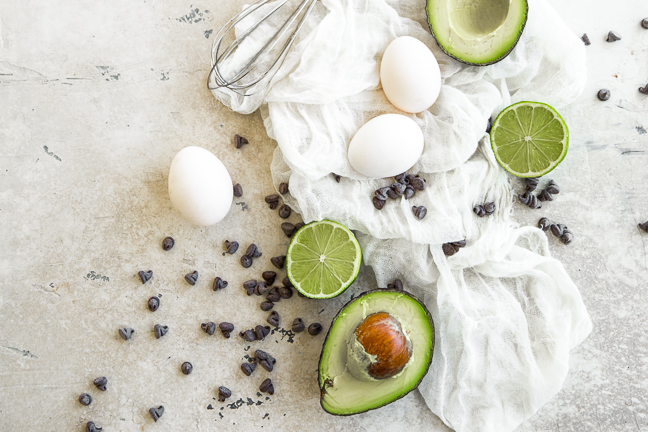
<point>410,75</point>
<point>200,186</point>
<point>386,146</point>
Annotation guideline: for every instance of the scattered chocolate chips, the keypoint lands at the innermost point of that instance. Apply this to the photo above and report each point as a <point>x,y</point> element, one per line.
<point>209,328</point>
<point>261,332</point>
<point>283,188</point>
<point>288,229</point>
<point>248,335</point>
<point>126,333</point>
<point>145,276</point>
<point>418,183</point>
<point>381,193</point>
<point>286,282</point>
<point>253,251</point>
<point>238,190</point>
<point>644,90</point>
<point>192,278</point>
<point>186,368</point>
<point>278,261</point>
<point>315,329</point>
<point>284,211</point>
<point>378,203</point>
<point>531,183</point>
<point>100,383</point>
<point>273,319</point>
<point>156,413</point>
<point>261,289</point>
<point>248,368</point>
<point>85,399</point>
<point>92,427</point>
<point>644,23</point>
<point>298,325</point>
<point>269,276</point>
<point>530,200</point>
<point>452,248</point>
<point>544,224</point>
<point>272,199</point>
<point>489,125</point>
<point>567,237</point>
<point>266,361</point>
<point>398,188</point>
<point>160,330</point>
<point>644,226</point>
<point>397,284</point>
<point>223,393</point>
<point>226,328</point>
<point>285,292</point>
<point>168,243</point>
<point>299,225</point>
<point>267,387</point>
<point>249,286</point>
<point>409,192</point>
<point>603,94</point>
<point>544,195</point>
<point>266,306</point>
<point>336,177</point>
<point>240,141</point>
<point>586,39</point>
<point>419,212</point>
<point>246,261</point>
<point>231,246</point>
<point>613,36</point>
<point>153,304</point>
<point>219,284</point>
<point>273,296</point>
<point>484,210</point>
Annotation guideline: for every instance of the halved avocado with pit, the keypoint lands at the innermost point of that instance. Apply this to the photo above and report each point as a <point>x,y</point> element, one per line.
<point>477,32</point>
<point>344,392</point>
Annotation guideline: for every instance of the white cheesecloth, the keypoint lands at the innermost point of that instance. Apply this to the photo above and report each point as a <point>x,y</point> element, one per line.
<point>506,313</point>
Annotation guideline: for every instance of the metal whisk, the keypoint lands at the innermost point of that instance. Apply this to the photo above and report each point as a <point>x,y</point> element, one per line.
<point>244,82</point>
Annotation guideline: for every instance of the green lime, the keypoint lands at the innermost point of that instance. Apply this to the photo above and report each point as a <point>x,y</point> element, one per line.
<point>323,259</point>
<point>529,139</point>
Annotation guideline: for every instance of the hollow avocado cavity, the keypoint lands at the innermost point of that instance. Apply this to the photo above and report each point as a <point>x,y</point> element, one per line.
<point>474,19</point>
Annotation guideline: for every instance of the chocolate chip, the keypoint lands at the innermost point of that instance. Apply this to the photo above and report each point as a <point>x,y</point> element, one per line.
<point>126,333</point>
<point>156,413</point>
<point>219,284</point>
<point>398,188</point>
<point>285,292</point>
<point>381,193</point>
<point>479,211</point>
<point>226,328</point>
<point>278,261</point>
<point>145,276</point>
<point>273,205</point>
<point>288,229</point>
<point>644,226</point>
<point>238,190</point>
<point>391,194</point>
<point>409,192</point>
<point>552,188</point>
<point>273,319</point>
<point>567,237</point>
<point>261,332</point>
<point>298,325</point>
<point>249,286</point>
<point>531,183</point>
<point>378,203</point>
<point>153,304</point>
<point>240,141</point>
<point>336,177</point>
<point>409,178</point>
<point>101,383</point>
<point>273,296</point>
<point>545,195</point>
<point>644,23</point>
<point>274,198</point>
<point>586,39</point>
<point>248,368</point>
<point>644,90</point>
<point>246,261</point>
<point>269,276</point>
<point>85,399</point>
<point>458,244</point>
<point>489,125</point>
<point>261,289</point>
<point>186,368</point>
<point>558,229</point>
<point>613,37</point>
<point>266,306</point>
<point>267,387</point>
<point>418,183</point>
<point>530,200</point>
<point>284,211</point>
<point>160,330</point>
<point>401,178</point>
<point>299,225</point>
<point>603,94</point>
<point>168,243</point>
<point>489,208</point>
<point>419,212</point>
<point>248,335</point>
<point>397,285</point>
<point>315,329</point>
<point>253,251</point>
<point>231,246</point>
<point>208,328</point>
<point>92,427</point>
<point>223,393</point>
<point>448,249</point>
<point>544,224</point>
<point>283,188</point>
<point>286,282</point>
<point>192,278</point>
<point>265,364</point>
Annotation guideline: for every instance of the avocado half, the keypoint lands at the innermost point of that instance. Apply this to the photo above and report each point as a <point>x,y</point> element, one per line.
<point>477,32</point>
<point>341,392</point>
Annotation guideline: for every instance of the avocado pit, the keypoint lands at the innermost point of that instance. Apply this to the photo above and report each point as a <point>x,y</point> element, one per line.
<point>379,348</point>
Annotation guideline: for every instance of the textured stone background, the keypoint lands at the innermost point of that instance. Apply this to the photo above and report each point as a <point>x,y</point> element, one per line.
<point>95,100</point>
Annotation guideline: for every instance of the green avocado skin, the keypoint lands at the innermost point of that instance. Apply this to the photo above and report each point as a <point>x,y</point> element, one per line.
<point>457,56</point>
<point>338,321</point>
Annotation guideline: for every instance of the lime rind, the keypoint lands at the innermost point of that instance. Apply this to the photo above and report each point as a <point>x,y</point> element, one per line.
<point>340,267</point>
<point>530,121</point>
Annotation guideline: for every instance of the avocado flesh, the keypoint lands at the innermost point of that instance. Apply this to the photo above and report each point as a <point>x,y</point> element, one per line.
<point>477,32</point>
<point>344,394</point>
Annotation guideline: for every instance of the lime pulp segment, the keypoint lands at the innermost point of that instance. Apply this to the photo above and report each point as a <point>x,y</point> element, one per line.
<point>323,259</point>
<point>529,139</point>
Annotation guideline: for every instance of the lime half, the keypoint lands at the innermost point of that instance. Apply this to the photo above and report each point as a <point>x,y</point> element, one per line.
<point>529,139</point>
<point>323,259</point>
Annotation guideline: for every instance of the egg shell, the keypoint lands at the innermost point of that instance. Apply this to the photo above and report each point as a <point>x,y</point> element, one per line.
<point>200,186</point>
<point>410,75</point>
<point>386,146</point>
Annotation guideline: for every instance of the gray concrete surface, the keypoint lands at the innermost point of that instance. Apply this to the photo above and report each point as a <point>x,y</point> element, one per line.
<point>95,100</point>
